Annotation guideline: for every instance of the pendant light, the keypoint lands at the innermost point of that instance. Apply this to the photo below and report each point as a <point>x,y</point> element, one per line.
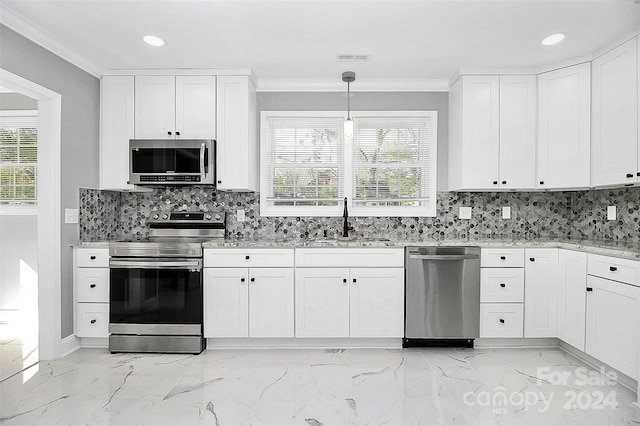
<point>348,77</point>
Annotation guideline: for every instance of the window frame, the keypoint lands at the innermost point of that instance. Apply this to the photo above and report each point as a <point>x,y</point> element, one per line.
<point>29,208</point>
<point>426,209</point>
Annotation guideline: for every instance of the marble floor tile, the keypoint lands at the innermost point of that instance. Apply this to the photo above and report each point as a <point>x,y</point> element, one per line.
<point>315,387</point>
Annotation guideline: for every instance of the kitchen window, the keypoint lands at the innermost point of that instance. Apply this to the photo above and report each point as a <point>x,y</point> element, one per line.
<point>18,158</point>
<point>388,169</point>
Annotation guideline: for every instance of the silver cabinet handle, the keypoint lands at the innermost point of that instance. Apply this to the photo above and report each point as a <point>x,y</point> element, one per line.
<point>443,256</point>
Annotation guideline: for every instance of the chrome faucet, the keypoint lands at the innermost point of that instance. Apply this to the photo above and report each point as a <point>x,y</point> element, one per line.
<point>345,220</point>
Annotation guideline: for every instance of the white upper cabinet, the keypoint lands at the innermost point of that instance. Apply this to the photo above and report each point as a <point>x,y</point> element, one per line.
<point>614,126</point>
<point>564,127</point>
<point>116,128</point>
<point>180,107</point>
<point>237,141</point>
<point>492,133</point>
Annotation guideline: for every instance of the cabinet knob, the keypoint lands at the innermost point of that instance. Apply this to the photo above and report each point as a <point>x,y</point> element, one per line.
<point>613,268</point>
<point>92,285</point>
<point>93,321</point>
<point>639,174</point>
<point>219,181</point>
<point>495,182</point>
<point>589,289</point>
<point>354,280</point>
<point>532,259</point>
<point>503,285</point>
<point>541,182</point>
<point>629,175</point>
<point>177,133</point>
<point>92,257</point>
<point>247,257</point>
<point>241,280</point>
<point>503,257</point>
<point>253,280</point>
<point>504,182</point>
<point>501,321</point>
<point>344,280</point>
<point>169,133</point>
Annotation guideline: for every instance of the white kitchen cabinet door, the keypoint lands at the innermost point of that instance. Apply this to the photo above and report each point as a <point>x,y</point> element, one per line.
<point>377,302</point>
<point>116,128</point>
<point>155,107</point>
<point>271,302</point>
<point>474,135</point>
<point>226,302</point>
<point>564,127</point>
<point>501,320</point>
<point>237,143</point>
<point>614,125</point>
<point>541,292</point>
<point>613,324</point>
<point>517,132</point>
<point>572,293</point>
<point>195,107</point>
<point>502,285</point>
<point>92,320</point>
<point>322,302</point>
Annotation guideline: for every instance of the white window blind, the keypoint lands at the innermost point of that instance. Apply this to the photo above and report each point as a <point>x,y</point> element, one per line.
<point>18,158</point>
<point>392,163</point>
<point>307,168</point>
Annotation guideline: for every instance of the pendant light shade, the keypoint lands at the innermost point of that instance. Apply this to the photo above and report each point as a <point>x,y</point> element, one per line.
<point>348,77</point>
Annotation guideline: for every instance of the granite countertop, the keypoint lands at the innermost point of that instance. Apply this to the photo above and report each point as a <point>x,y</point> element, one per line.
<point>609,248</point>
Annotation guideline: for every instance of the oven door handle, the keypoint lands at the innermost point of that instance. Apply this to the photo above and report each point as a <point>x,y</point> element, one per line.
<point>136,264</point>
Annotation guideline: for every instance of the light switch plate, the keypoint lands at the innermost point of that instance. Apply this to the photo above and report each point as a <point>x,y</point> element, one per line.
<point>464,213</point>
<point>506,212</point>
<point>71,215</point>
<point>240,215</point>
<point>611,212</point>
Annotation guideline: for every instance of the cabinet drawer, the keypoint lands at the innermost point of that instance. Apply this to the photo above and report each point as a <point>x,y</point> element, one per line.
<point>501,258</point>
<point>612,268</point>
<point>92,319</point>
<point>350,257</point>
<point>92,258</point>
<point>239,257</point>
<point>502,285</point>
<point>92,285</point>
<point>501,320</point>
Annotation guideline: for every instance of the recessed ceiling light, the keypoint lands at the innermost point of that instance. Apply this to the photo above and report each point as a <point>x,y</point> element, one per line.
<point>153,40</point>
<point>553,39</point>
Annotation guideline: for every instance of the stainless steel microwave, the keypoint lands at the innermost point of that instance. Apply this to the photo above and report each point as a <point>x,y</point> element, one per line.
<point>172,162</point>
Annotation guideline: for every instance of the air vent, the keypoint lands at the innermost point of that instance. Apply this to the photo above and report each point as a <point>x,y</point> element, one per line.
<point>353,58</point>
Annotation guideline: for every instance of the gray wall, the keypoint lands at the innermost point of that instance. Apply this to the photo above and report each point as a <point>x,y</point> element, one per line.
<point>17,101</point>
<point>18,242</point>
<point>80,135</point>
<point>370,101</point>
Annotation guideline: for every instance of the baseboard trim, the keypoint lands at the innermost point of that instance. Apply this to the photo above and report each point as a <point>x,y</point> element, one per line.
<point>303,343</point>
<point>596,364</point>
<point>516,342</point>
<point>94,342</point>
<point>68,345</point>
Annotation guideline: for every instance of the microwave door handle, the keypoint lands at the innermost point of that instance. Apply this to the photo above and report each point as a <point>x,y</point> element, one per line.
<point>202,151</point>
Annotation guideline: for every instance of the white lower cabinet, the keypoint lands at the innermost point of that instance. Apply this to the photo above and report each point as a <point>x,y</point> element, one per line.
<point>249,302</point>
<point>541,292</point>
<point>572,294</point>
<point>91,291</point>
<point>501,319</point>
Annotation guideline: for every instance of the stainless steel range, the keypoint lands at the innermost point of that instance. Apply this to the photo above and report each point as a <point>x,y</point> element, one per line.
<point>155,298</point>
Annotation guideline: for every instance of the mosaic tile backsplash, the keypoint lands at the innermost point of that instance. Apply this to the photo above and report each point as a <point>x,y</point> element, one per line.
<point>106,215</point>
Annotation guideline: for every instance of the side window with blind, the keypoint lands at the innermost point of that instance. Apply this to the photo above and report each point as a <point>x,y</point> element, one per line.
<point>18,158</point>
<point>388,169</point>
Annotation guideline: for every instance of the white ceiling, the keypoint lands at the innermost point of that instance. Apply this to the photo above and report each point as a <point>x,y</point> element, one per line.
<point>299,39</point>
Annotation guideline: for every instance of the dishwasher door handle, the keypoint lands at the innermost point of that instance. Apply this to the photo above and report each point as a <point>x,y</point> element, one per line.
<point>443,256</point>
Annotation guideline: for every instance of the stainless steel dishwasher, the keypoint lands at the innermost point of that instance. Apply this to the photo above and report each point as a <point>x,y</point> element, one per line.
<point>442,296</point>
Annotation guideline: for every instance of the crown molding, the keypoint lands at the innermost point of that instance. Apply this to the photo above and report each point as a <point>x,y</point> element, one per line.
<point>268,85</point>
<point>17,23</point>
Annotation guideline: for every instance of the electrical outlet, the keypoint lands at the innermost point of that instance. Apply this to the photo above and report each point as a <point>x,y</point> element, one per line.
<point>506,212</point>
<point>611,212</point>
<point>240,215</point>
<point>464,213</point>
<point>71,215</point>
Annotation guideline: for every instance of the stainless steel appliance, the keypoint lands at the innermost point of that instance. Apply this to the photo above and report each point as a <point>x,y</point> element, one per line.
<point>442,296</point>
<point>172,162</point>
<point>155,286</point>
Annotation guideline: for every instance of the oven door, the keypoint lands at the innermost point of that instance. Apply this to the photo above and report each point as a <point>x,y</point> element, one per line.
<point>155,296</point>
